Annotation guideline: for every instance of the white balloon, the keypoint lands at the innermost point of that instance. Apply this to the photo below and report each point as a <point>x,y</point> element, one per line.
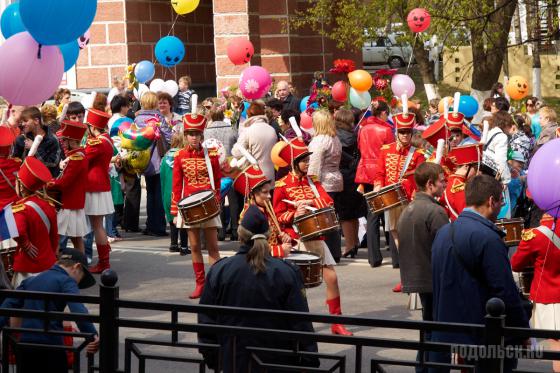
<point>142,88</point>
<point>157,85</point>
<point>171,87</point>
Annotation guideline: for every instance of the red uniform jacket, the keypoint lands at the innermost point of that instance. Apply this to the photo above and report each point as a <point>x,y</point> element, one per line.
<point>295,188</point>
<point>33,230</point>
<point>274,240</point>
<point>71,183</point>
<point>390,163</point>
<point>372,136</point>
<point>190,174</point>
<point>9,167</point>
<point>532,250</point>
<point>453,197</point>
<point>99,151</point>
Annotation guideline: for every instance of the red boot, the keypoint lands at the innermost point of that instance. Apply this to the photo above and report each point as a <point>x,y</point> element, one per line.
<point>199,276</point>
<point>397,288</point>
<point>334,309</point>
<point>103,259</point>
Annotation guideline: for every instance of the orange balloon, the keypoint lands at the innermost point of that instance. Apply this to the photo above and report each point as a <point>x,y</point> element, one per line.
<point>411,104</point>
<point>449,104</point>
<point>275,154</point>
<point>517,87</point>
<point>360,80</point>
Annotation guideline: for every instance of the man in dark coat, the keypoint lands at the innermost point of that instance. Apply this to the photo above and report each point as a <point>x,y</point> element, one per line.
<point>470,265</point>
<point>417,228</point>
<point>289,101</point>
<point>253,279</point>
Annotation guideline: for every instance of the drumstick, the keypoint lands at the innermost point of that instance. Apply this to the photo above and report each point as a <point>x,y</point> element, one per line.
<point>272,215</point>
<point>294,204</point>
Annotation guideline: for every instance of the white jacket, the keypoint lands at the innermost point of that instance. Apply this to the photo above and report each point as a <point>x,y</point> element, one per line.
<point>497,150</point>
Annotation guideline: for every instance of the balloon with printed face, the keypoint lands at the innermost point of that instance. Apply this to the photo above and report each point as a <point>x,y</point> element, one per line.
<point>170,51</point>
<point>83,40</point>
<point>418,20</point>
<point>240,51</point>
<point>183,7</point>
<point>517,87</point>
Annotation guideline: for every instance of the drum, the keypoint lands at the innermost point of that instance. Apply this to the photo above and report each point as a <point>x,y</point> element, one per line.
<point>512,228</point>
<point>198,207</point>
<point>386,198</point>
<point>310,266</point>
<point>316,223</point>
<point>526,279</point>
<point>8,261</point>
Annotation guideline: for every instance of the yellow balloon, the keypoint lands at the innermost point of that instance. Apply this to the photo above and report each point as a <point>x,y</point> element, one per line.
<point>183,7</point>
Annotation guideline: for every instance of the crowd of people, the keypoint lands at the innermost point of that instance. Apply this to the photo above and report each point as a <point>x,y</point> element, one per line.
<point>69,173</point>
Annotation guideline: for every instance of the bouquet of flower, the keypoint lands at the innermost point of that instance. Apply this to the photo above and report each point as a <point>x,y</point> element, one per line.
<point>382,84</point>
<point>343,67</point>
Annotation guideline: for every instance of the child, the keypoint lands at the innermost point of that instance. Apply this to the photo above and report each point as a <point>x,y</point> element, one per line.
<point>166,177</point>
<point>183,99</point>
<point>118,88</point>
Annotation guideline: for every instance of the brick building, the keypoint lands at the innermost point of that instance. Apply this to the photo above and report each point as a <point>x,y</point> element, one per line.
<point>125,31</point>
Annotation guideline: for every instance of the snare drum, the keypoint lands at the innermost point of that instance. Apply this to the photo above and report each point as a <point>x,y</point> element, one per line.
<point>316,223</point>
<point>513,229</point>
<point>310,266</point>
<point>8,261</point>
<point>386,198</point>
<point>198,207</point>
<point>526,279</point>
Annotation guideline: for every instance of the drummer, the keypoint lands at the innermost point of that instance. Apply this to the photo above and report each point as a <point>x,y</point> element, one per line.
<point>303,192</point>
<point>8,169</point>
<point>197,169</point>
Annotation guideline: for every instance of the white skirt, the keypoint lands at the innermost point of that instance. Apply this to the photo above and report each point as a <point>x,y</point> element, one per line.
<point>215,222</point>
<point>7,244</point>
<point>317,247</point>
<point>546,316</point>
<point>73,223</point>
<point>99,203</point>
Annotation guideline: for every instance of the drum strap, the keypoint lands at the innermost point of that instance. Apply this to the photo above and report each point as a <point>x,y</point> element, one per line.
<point>41,214</point>
<point>449,207</point>
<point>209,167</point>
<point>7,180</point>
<point>407,161</point>
<point>313,187</point>
<point>550,235</point>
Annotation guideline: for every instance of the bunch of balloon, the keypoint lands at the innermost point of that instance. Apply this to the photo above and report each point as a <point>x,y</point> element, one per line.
<point>360,82</point>
<point>40,48</point>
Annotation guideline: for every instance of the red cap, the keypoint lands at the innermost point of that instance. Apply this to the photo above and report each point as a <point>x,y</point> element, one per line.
<point>7,139</point>
<point>455,121</point>
<point>194,122</point>
<point>466,154</point>
<point>404,121</point>
<point>33,174</point>
<point>435,132</point>
<point>295,148</point>
<point>250,178</point>
<point>73,130</point>
<point>97,118</point>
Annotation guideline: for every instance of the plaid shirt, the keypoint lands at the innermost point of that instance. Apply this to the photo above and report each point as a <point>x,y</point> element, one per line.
<point>520,142</point>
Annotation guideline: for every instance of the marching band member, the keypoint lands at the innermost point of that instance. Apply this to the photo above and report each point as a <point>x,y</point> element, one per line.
<point>35,218</point>
<point>467,160</point>
<point>72,220</point>
<point>304,192</point>
<point>197,169</point>
<point>8,169</point>
<point>99,202</point>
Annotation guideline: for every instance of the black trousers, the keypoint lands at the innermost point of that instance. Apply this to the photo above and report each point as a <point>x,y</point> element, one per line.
<point>373,238</point>
<point>334,240</point>
<point>132,194</point>
<point>235,200</point>
<point>176,233</point>
<point>33,360</point>
<point>154,205</point>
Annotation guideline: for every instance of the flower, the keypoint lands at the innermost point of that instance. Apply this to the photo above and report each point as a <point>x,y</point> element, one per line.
<point>228,113</point>
<point>343,67</point>
<point>385,72</point>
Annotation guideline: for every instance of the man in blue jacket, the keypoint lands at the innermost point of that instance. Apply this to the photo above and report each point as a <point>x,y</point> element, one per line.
<point>67,276</point>
<point>470,265</point>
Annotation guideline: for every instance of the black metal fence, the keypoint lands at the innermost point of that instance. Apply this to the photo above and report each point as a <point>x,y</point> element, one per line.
<point>488,357</point>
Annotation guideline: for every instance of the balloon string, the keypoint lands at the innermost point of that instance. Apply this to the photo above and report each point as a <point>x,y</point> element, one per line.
<point>412,52</point>
<point>173,25</point>
<point>39,51</point>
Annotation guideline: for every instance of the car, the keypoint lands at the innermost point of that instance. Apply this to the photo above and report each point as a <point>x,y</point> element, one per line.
<point>386,50</point>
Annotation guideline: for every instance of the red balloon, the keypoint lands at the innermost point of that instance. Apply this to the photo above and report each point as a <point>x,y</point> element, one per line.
<point>240,51</point>
<point>340,91</point>
<point>305,121</point>
<point>418,20</point>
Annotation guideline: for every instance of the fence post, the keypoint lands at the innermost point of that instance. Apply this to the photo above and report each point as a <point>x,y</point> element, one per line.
<point>108,328</point>
<point>494,336</point>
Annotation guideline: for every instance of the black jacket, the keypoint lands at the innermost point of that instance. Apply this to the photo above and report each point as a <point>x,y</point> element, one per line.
<point>49,151</point>
<point>231,282</point>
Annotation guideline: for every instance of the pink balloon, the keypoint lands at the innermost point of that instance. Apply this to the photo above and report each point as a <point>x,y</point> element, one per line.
<point>401,84</point>
<point>340,91</point>
<point>240,51</point>
<point>255,82</point>
<point>306,121</point>
<point>418,20</point>
<point>26,79</point>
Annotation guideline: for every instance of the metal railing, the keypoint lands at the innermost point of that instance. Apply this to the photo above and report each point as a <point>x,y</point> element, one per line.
<point>488,357</point>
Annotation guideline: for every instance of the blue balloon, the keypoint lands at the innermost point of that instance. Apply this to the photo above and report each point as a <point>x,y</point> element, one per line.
<point>11,22</point>
<point>468,106</point>
<point>57,22</point>
<point>170,50</point>
<point>303,104</point>
<point>70,54</point>
<point>144,71</point>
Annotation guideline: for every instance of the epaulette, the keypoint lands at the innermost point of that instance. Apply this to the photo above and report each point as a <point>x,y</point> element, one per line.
<point>212,152</point>
<point>280,183</point>
<point>18,208</point>
<point>93,142</point>
<point>314,178</point>
<point>457,186</point>
<point>421,151</point>
<point>528,234</point>
<point>386,146</point>
<point>76,157</point>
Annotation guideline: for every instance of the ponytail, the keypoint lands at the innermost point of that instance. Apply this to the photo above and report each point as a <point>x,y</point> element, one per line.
<point>259,251</point>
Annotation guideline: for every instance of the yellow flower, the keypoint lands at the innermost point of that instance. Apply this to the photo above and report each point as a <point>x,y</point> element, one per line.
<point>228,113</point>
